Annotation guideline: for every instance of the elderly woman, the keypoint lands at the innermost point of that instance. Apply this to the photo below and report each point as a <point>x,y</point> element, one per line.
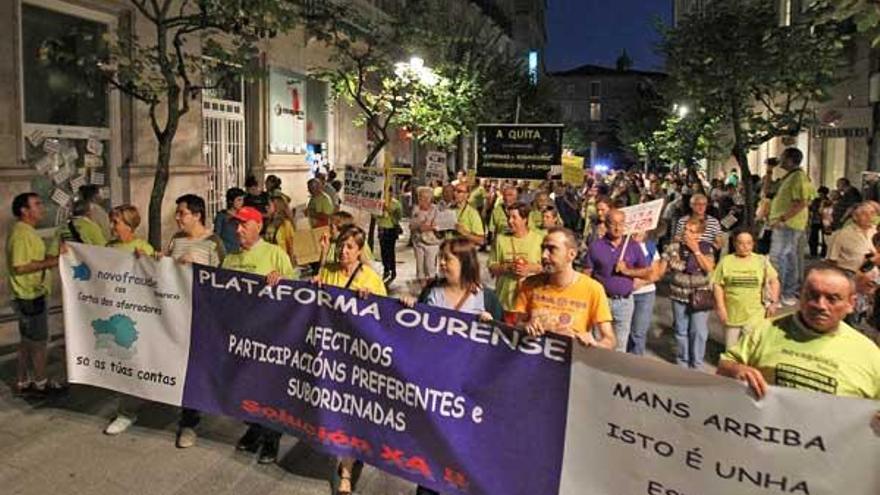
<point>689,260</point>
<point>426,241</point>
<point>740,282</point>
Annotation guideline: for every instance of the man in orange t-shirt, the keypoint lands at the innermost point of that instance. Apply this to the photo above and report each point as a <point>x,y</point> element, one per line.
<point>561,300</point>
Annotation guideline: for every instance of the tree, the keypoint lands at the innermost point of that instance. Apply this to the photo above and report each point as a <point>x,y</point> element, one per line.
<point>164,69</point>
<point>865,14</point>
<point>761,78</point>
<point>638,123</point>
<point>362,68</point>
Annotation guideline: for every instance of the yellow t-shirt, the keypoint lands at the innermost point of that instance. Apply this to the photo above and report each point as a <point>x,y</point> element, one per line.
<point>133,245</point>
<point>577,307</point>
<point>508,249</point>
<point>470,220</point>
<point>24,246</point>
<point>743,282</point>
<point>391,216</point>
<point>89,232</point>
<point>262,258</point>
<point>477,198</point>
<point>319,204</point>
<point>796,186</point>
<point>366,278</point>
<point>280,235</point>
<point>789,354</point>
<point>498,219</point>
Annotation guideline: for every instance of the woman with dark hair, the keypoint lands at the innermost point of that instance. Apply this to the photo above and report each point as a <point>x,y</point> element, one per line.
<point>459,289</point>
<point>349,272</point>
<point>225,225</point>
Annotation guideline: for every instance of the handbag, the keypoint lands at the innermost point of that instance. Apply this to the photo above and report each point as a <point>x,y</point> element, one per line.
<point>702,299</point>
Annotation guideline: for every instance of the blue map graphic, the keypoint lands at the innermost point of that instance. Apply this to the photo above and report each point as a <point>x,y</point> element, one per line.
<point>82,272</point>
<point>119,327</point>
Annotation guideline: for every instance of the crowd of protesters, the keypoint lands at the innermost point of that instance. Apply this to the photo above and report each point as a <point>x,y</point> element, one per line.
<point>560,259</point>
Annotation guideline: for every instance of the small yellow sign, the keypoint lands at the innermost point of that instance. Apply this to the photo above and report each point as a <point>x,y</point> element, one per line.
<point>573,170</point>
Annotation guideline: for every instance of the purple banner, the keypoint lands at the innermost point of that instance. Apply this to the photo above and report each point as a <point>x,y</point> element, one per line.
<point>427,394</point>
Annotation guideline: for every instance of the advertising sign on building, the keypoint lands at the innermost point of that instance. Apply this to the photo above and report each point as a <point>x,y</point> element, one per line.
<point>514,151</point>
<point>287,116</point>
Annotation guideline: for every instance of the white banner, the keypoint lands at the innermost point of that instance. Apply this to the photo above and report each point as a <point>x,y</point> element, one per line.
<point>364,188</point>
<point>643,216</point>
<point>638,426</point>
<point>127,321</point>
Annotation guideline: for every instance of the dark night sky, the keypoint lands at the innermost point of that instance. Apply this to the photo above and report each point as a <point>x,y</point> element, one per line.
<point>595,31</point>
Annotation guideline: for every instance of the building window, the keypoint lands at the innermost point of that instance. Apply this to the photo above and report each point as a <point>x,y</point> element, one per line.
<point>53,93</point>
<point>533,66</point>
<point>595,111</point>
<point>595,89</point>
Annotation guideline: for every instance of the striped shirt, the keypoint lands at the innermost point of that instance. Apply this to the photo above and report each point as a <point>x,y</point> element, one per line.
<point>205,251</point>
<point>712,231</point>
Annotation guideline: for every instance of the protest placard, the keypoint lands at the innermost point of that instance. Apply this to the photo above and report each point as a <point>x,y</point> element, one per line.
<point>363,377</point>
<point>446,219</point>
<point>435,167</point>
<point>518,151</point>
<point>307,244</point>
<point>643,216</point>
<point>364,188</point>
<point>573,170</point>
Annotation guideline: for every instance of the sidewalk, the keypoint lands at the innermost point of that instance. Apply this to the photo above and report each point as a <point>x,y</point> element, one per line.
<point>56,446</point>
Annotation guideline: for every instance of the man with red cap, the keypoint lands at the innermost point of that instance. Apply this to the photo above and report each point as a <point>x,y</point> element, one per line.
<point>261,258</point>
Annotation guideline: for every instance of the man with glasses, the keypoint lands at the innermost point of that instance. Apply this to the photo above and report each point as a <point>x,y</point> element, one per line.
<point>470,225</point>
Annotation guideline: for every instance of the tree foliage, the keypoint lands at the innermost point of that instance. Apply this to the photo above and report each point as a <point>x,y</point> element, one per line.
<point>760,79</point>
<point>865,14</point>
<point>163,66</point>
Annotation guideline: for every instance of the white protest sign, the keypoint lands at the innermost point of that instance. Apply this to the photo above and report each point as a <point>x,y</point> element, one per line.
<point>60,197</point>
<point>643,216</point>
<point>639,426</point>
<point>446,219</point>
<point>122,322</point>
<point>435,167</point>
<point>364,188</point>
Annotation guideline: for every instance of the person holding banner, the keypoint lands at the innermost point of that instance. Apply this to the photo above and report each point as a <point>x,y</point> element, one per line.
<point>689,259</point>
<point>27,263</point>
<point>562,300</point>
<point>124,220</point>
<point>812,349</point>
<point>470,225</point>
<point>349,272</point>
<point>514,256</point>
<point>257,257</point>
<point>79,228</point>
<point>615,263</point>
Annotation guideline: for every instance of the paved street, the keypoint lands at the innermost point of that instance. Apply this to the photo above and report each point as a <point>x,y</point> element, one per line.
<point>56,446</point>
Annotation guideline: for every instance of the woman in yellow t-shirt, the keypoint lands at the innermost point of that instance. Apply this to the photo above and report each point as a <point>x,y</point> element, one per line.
<point>349,272</point>
<point>124,220</point>
<point>279,227</point>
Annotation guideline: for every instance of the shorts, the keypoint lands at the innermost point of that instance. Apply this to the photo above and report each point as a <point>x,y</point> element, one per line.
<point>33,322</point>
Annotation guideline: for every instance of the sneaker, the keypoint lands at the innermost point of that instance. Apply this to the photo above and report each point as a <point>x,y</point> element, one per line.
<point>250,441</point>
<point>22,389</point>
<point>789,301</point>
<point>186,438</point>
<point>48,388</point>
<point>118,425</point>
<point>270,450</point>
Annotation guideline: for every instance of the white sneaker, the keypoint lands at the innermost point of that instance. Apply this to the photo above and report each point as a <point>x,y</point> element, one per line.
<point>186,438</point>
<point>789,301</point>
<point>118,425</point>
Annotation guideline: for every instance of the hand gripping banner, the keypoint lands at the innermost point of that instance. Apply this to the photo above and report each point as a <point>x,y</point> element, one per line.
<point>435,397</point>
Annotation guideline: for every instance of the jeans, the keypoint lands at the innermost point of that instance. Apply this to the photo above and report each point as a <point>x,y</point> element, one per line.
<point>643,313</point>
<point>691,332</point>
<point>622,313</point>
<point>785,255</point>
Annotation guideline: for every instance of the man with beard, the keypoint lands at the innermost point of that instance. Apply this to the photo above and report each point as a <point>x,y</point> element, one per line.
<point>562,300</point>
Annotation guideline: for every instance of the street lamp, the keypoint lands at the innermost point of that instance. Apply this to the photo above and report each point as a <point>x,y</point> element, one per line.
<point>683,111</point>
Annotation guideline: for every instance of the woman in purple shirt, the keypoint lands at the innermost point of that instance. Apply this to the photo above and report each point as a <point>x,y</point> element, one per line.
<point>690,261</point>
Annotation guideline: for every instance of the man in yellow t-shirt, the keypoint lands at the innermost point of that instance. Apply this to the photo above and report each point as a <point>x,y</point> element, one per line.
<point>514,256</point>
<point>470,225</point>
<point>788,219</point>
<point>562,300</point>
<point>258,257</point>
<point>812,349</point>
<point>80,228</point>
<point>320,206</point>
<point>27,266</point>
